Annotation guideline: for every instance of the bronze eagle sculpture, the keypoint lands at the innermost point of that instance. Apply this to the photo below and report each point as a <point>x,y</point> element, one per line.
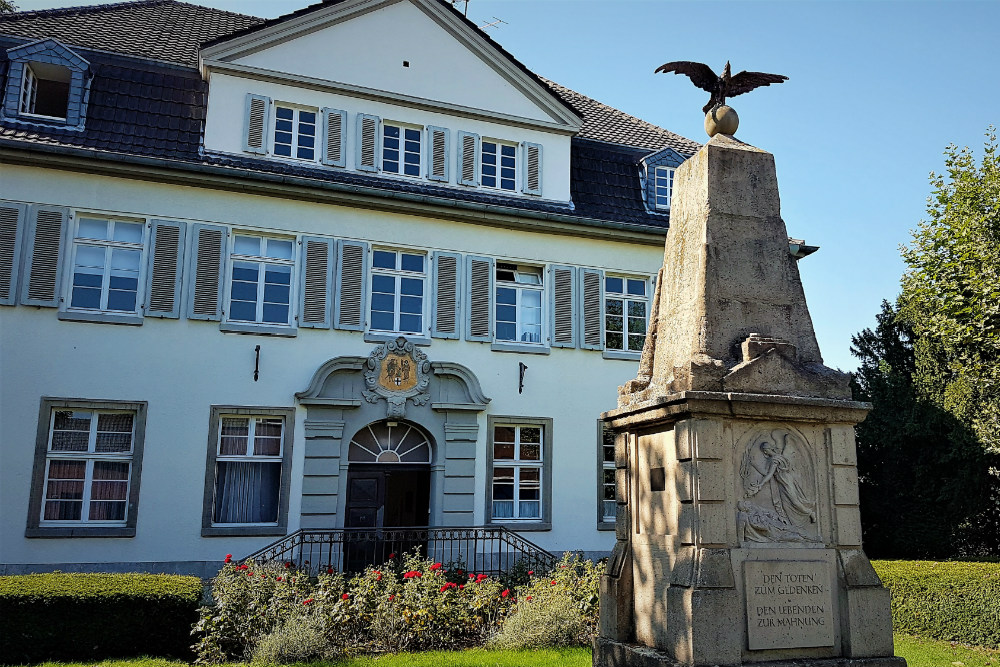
<point>722,86</point>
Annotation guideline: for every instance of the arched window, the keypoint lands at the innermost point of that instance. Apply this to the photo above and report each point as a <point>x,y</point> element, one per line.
<point>390,442</point>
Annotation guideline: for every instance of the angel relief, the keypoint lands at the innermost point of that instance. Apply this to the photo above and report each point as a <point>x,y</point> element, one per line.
<point>779,498</point>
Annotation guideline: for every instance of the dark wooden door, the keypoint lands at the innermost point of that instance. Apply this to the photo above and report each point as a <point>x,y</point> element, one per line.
<point>384,496</point>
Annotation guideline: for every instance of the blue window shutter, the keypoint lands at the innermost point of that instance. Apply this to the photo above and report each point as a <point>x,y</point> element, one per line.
<point>592,309</point>
<point>479,276</point>
<point>468,158</point>
<point>256,122</point>
<point>207,272</point>
<point>43,255</point>
<point>316,283</point>
<point>367,149</point>
<point>334,137</point>
<point>532,168</point>
<point>352,285</point>
<point>166,266</point>
<point>13,218</point>
<point>438,152</point>
<point>447,286</point>
<point>563,304</point>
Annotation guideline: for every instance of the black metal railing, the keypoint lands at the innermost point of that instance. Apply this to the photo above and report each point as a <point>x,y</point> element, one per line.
<point>486,549</point>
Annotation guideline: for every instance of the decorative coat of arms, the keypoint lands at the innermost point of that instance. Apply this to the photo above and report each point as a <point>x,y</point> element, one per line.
<point>397,371</point>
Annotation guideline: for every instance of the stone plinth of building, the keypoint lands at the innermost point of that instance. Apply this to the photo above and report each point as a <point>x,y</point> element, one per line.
<point>738,531</point>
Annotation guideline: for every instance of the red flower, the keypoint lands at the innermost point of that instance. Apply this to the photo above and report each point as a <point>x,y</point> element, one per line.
<point>472,576</point>
<point>505,593</point>
<point>391,598</point>
<point>345,596</point>
<point>552,583</point>
<point>435,566</point>
<point>249,574</point>
<point>461,586</point>
<point>229,558</point>
<point>411,574</point>
<point>293,580</point>
<point>460,572</point>
<point>329,570</point>
<point>528,598</point>
<point>242,567</point>
<point>562,567</point>
<point>530,572</point>
<point>288,564</point>
<point>392,556</point>
<point>307,601</point>
<point>277,578</point>
<point>481,578</point>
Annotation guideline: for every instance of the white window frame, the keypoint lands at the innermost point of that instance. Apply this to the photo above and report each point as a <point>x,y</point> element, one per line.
<point>261,260</point>
<point>29,86</point>
<point>397,275</point>
<point>482,164</point>
<point>402,127</point>
<point>519,289</point>
<point>109,245</point>
<point>250,457</point>
<point>624,297</point>
<point>666,176</point>
<point>91,456</point>
<point>296,110</point>
<point>605,521</point>
<point>517,463</point>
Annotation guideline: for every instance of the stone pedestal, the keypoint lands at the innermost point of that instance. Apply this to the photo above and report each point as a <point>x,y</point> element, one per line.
<point>738,533</point>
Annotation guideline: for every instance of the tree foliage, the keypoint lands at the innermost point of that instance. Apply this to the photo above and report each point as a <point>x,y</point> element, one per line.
<point>7,7</point>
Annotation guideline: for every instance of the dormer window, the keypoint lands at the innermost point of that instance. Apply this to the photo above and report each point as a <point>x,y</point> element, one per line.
<point>47,84</point>
<point>657,175</point>
<point>663,185</point>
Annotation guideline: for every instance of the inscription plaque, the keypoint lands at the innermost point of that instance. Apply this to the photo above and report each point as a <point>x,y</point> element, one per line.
<point>789,604</point>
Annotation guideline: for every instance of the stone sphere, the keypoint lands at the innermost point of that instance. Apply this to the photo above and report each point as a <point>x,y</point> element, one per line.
<point>721,120</point>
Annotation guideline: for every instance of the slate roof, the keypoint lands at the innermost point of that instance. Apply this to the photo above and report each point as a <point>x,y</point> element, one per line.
<point>157,109</point>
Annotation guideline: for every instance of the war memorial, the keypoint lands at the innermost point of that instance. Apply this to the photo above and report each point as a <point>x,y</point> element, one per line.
<point>738,532</point>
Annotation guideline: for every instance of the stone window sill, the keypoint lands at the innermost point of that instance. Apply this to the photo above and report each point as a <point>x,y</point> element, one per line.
<point>388,337</point>
<point>520,348</point>
<point>622,355</point>
<point>243,531</point>
<point>524,526</point>
<point>258,329</point>
<point>131,319</point>
<point>80,531</point>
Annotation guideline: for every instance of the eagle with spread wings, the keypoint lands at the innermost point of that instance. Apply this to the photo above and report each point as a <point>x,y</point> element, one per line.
<point>722,86</point>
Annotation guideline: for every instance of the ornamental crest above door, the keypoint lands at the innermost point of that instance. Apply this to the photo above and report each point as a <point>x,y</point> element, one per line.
<point>397,371</point>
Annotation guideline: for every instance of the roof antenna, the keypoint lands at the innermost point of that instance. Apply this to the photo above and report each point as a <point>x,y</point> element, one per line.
<point>493,24</point>
<point>465,11</point>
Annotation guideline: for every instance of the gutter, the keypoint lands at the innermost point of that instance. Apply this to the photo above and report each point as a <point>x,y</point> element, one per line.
<point>196,174</point>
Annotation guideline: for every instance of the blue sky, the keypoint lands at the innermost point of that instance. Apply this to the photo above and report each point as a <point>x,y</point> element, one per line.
<point>876,92</point>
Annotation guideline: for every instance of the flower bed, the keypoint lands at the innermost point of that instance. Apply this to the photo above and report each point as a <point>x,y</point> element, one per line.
<point>273,613</point>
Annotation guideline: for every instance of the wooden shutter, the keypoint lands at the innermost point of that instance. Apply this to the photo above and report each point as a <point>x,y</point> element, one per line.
<point>163,277</point>
<point>592,312</point>
<point>12,222</point>
<point>352,262</point>
<point>207,272</point>
<point>334,146</point>
<point>317,280</point>
<point>447,288</point>
<point>468,158</point>
<point>532,169</point>
<point>437,153</point>
<point>564,308</point>
<point>43,256</point>
<point>479,278</point>
<point>367,154</point>
<point>255,123</point>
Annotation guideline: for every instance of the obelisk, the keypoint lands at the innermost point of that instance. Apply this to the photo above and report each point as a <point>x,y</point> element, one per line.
<point>738,533</point>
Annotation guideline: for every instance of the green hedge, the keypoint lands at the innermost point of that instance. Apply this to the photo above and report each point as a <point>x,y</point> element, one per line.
<point>955,601</point>
<point>71,616</point>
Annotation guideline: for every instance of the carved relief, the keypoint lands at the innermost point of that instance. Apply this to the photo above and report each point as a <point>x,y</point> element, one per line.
<point>397,371</point>
<point>779,495</point>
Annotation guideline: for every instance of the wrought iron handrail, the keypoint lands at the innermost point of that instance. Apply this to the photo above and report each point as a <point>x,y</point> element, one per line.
<point>486,549</point>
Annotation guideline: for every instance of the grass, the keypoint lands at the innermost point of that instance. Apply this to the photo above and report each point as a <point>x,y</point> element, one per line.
<point>919,652</point>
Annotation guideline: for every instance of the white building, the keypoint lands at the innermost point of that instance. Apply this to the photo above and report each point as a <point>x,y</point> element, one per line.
<point>208,224</point>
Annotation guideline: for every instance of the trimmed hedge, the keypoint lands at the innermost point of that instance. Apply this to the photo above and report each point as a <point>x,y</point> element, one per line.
<point>953,601</point>
<point>82,616</point>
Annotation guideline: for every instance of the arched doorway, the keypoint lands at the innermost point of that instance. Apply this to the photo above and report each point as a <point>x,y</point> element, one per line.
<point>388,476</point>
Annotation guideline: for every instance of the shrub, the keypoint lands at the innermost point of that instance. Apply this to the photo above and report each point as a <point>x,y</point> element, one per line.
<point>86,616</point>
<point>956,601</point>
<point>300,638</point>
<point>547,620</point>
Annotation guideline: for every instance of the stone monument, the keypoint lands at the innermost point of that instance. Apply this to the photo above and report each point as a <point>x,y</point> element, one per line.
<point>738,533</point>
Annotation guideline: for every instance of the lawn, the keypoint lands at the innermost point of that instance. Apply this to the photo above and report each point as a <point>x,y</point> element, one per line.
<point>918,652</point>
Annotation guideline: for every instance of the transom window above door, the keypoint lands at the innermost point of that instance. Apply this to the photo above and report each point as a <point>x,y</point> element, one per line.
<point>261,279</point>
<point>397,291</point>
<point>401,149</point>
<point>390,442</point>
<point>294,132</point>
<point>107,261</point>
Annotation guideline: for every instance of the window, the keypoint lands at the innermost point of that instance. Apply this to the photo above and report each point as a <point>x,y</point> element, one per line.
<point>499,165</point>
<point>401,149</point>
<point>625,312</point>
<point>518,303</point>
<point>261,284</point>
<point>517,472</point>
<point>663,185</point>
<point>86,480</point>
<point>47,84</point>
<point>45,90</point>
<point>397,294</point>
<point>246,489</point>
<point>107,263</point>
<point>607,504</point>
<point>294,132</point>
